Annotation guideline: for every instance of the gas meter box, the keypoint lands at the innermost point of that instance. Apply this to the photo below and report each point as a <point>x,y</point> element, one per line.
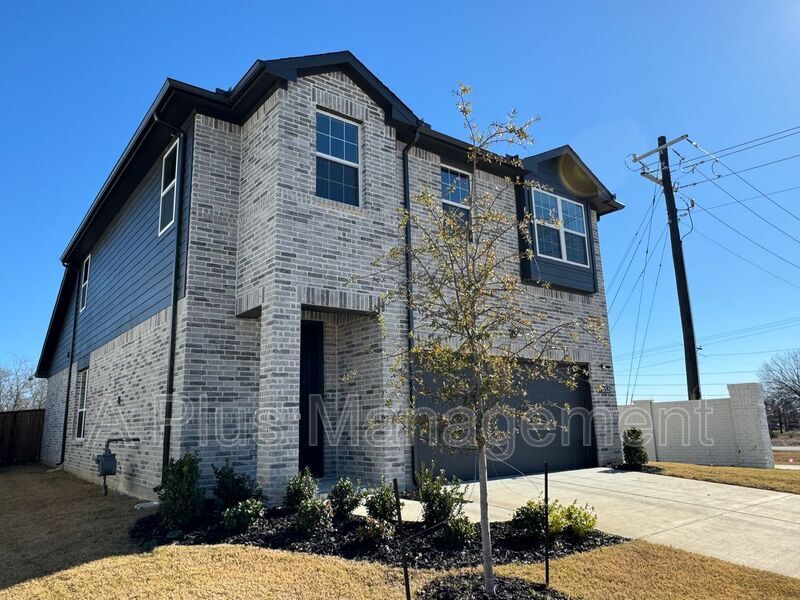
<point>106,464</point>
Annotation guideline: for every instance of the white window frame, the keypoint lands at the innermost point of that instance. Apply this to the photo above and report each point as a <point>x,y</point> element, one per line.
<point>83,295</point>
<point>469,178</point>
<point>83,392</point>
<point>161,227</point>
<point>560,228</point>
<point>356,166</point>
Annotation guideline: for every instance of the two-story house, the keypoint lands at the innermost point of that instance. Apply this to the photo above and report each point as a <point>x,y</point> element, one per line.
<point>208,291</point>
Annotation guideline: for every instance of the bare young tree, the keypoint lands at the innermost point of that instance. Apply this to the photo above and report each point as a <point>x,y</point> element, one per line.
<point>481,334</point>
<point>19,389</point>
<point>780,377</point>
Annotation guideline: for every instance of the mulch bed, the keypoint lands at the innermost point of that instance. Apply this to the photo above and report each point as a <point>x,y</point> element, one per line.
<point>277,530</point>
<point>470,587</point>
<point>653,470</point>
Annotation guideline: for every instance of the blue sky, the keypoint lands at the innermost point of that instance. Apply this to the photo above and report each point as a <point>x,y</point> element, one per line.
<point>607,78</point>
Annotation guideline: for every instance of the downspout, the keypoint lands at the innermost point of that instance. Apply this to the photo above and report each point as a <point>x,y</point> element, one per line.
<point>409,285</point>
<point>173,327</point>
<point>71,359</point>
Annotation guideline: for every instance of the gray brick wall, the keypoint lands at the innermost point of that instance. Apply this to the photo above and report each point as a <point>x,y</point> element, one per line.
<point>54,418</point>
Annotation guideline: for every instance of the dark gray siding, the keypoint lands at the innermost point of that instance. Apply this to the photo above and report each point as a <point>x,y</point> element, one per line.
<point>60,356</point>
<point>131,268</point>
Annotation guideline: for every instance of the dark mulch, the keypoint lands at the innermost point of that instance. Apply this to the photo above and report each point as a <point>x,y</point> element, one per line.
<point>470,587</point>
<point>653,470</point>
<point>277,530</point>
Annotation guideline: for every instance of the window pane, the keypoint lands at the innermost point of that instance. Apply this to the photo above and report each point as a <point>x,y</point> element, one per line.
<point>350,195</point>
<point>323,143</point>
<point>461,214</point>
<point>549,241</point>
<point>79,432</point>
<point>337,128</point>
<point>351,153</point>
<point>167,209</point>
<point>573,217</point>
<point>322,188</point>
<point>545,206</point>
<point>351,133</point>
<point>323,123</point>
<point>576,248</point>
<point>337,148</point>
<point>170,164</point>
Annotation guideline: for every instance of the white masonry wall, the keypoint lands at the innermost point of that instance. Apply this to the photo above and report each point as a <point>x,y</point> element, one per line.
<point>725,431</point>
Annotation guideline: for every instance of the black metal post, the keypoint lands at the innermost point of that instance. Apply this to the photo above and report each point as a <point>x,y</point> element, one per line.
<point>687,324</point>
<point>546,529</point>
<point>406,580</point>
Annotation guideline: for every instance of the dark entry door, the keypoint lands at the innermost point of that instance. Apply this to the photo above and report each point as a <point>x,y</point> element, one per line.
<point>311,385</point>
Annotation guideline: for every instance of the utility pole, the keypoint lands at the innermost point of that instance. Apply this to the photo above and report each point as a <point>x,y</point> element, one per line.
<point>687,324</point>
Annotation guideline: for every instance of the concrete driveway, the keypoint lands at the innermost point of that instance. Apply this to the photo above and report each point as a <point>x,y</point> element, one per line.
<point>756,528</point>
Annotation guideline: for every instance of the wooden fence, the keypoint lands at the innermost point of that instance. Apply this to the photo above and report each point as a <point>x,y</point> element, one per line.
<point>20,436</point>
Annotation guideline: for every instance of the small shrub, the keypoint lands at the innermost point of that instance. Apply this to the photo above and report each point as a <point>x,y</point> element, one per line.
<point>344,498</point>
<point>313,514</point>
<point>441,500</point>
<point>529,519</point>
<point>381,503</point>
<point>301,487</point>
<point>181,501</point>
<point>580,520</point>
<point>374,532</point>
<point>232,487</point>
<point>244,514</point>
<point>457,532</point>
<point>633,448</point>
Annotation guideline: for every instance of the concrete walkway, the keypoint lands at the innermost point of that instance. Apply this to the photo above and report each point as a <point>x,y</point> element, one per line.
<point>751,527</point>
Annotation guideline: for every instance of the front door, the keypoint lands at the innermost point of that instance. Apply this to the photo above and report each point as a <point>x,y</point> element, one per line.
<point>311,391</point>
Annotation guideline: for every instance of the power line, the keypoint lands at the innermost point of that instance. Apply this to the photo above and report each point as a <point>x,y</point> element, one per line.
<point>745,236</point>
<point>649,315</point>
<point>711,356</point>
<point>735,199</point>
<point>641,274</point>
<point>758,139</point>
<point>727,336</point>
<point>715,206</point>
<point>747,260</point>
<point>766,164</point>
<point>705,373</point>
<point>738,176</point>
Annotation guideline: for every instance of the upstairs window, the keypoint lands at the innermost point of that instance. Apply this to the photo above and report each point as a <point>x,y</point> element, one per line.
<point>84,293</point>
<point>337,159</point>
<point>560,228</point>
<point>169,178</point>
<point>455,191</point>
<point>81,384</point>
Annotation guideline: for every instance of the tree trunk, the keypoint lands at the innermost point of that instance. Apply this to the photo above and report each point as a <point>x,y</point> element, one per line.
<point>486,536</point>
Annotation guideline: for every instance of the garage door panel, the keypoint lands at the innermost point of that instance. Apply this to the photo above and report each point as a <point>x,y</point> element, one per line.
<point>570,445</point>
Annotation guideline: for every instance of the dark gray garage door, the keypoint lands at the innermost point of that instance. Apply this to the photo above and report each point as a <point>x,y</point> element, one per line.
<point>571,445</point>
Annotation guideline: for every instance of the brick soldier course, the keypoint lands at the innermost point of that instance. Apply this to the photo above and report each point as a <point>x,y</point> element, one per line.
<point>263,252</point>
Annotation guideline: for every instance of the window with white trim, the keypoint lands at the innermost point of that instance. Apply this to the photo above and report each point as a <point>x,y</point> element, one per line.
<point>455,192</point>
<point>169,180</point>
<point>84,293</point>
<point>82,384</point>
<point>337,159</point>
<point>560,229</point>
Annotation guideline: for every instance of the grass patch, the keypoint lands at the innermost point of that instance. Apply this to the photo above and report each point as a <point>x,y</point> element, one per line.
<point>643,570</point>
<point>779,480</point>
<point>786,457</point>
<point>53,521</point>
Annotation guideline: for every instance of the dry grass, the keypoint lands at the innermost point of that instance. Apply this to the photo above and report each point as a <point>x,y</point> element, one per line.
<point>779,480</point>
<point>221,571</point>
<point>643,570</point>
<point>787,457</point>
<point>53,521</point>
